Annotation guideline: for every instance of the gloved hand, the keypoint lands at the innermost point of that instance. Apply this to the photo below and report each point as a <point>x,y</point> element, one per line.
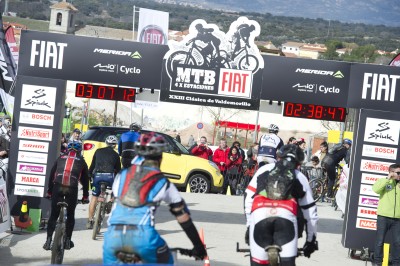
<point>199,252</point>
<point>85,200</point>
<point>49,195</point>
<point>246,236</point>
<point>310,247</point>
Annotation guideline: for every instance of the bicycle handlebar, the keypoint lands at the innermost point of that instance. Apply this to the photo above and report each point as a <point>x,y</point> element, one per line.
<point>300,251</point>
<point>183,251</point>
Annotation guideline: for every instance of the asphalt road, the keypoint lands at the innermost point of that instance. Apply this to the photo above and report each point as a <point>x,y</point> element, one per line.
<point>223,223</point>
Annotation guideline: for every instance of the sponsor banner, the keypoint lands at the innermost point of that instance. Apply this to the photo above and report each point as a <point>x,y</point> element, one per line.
<point>374,87</point>
<point>153,26</point>
<point>30,168</point>
<point>374,166</point>
<point>35,133</point>
<point>29,191</point>
<point>367,190</point>
<point>368,201</point>
<point>36,146</point>
<point>363,223</point>
<point>212,68</point>
<point>38,97</point>
<point>36,118</point>
<point>368,178</point>
<point>90,59</point>
<point>367,212</point>
<point>305,81</point>
<point>379,152</point>
<point>382,131</point>
<point>34,157</point>
<point>38,180</point>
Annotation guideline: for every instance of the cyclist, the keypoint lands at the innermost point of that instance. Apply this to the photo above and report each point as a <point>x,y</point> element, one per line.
<point>275,221</point>
<point>68,170</point>
<point>268,145</point>
<point>126,144</point>
<point>331,160</point>
<point>242,33</point>
<point>5,127</point>
<point>138,191</point>
<point>105,165</point>
<point>205,35</point>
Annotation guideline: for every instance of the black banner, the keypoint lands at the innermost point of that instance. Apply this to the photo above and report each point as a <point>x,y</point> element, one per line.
<point>375,148</point>
<point>69,57</point>
<point>35,145</point>
<point>374,87</point>
<point>213,68</point>
<point>305,81</point>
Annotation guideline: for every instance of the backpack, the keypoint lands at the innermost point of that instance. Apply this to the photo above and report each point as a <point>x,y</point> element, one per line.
<point>138,183</point>
<point>280,183</point>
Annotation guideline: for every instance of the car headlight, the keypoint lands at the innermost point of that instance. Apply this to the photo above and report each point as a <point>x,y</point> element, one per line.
<point>214,165</point>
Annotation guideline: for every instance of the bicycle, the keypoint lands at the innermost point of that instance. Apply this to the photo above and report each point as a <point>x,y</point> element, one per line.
<point>245,61</point>
<point>319,182</point>
<point>133,258</point>
<point>273,253</point>
<point>101,209</point>
<point>57,249</point>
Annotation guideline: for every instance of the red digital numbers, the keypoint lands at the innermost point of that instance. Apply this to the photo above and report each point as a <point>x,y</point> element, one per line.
<point>105,92</point>
<point>312,111</point>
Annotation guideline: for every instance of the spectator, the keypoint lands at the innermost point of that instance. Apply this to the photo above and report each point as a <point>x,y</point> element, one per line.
<point>64,144</point>
<point>388,215</point>
<point>233,169</point>
<point>302,144</point>
<point>178,137</point>
<point>75,136</point>
<point>323,150</point>
<point>5,122</point>
<point>220,157</point>
<point>252,155</point>
<point>191,141</point>
<point>292,140</point>
<point>202,150</point>
<point>241,151</point>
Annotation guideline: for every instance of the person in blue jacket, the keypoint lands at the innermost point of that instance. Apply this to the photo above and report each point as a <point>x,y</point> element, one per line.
<point>126,144</point>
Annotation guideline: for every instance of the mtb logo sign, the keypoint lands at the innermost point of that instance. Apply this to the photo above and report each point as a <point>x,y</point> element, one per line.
<point>213,68</point>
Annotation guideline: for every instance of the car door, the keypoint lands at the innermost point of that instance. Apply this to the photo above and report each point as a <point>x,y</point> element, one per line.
<point>174,163</point>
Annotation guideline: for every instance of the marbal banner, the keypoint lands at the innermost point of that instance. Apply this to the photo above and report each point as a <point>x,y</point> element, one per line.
<point>212,68</point>
<point>153,26</point>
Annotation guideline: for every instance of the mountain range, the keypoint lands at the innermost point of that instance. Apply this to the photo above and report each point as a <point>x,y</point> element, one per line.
<point>375,12</point>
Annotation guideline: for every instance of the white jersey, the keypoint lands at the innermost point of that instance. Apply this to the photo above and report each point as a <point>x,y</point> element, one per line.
<point>306,203</point>
<point>267,147</point>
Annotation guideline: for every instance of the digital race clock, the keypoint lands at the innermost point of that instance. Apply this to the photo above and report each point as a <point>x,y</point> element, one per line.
<point>105,92</point>
<point>312,111</point>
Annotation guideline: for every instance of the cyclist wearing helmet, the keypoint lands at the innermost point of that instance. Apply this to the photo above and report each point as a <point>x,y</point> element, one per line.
<point>272,208</point>
<point>105,165</point>
<point>69,169</point>
<point>268,145</point>
<point>126,144</point>
<point>138,191</point>
<point>336,154</point>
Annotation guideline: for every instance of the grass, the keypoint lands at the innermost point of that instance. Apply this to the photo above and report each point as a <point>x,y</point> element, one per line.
<point>32,24</point>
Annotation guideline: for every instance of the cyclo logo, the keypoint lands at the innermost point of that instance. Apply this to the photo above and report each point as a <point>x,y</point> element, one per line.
<point>326,90</point>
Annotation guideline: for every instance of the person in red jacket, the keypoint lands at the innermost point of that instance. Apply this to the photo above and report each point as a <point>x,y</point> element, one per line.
<point>202,150</point>
<point>233,168</point>
<point>220,157</point>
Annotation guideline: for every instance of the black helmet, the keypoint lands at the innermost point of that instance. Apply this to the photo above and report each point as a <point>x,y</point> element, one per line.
<point>292,153</point>
<point>135,127</point>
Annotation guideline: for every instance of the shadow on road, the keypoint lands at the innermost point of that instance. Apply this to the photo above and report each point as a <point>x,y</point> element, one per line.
<point>330,226</point>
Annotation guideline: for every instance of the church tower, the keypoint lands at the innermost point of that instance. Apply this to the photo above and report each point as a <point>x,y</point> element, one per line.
<point>62,18</point>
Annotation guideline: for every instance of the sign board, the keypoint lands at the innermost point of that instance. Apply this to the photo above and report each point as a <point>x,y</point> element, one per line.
<point>376,144</point>
<point>200,125</point>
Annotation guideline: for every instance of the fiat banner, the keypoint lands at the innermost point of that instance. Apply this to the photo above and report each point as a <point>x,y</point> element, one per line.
<point>212,68</point>
<point>375,149</point>
<point>153,26</point>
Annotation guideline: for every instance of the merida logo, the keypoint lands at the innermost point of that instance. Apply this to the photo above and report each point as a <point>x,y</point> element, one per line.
<point>136,55</point>
<point>337,74</point>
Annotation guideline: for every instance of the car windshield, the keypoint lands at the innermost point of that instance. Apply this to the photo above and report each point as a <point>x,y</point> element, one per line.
<point>181,147</point>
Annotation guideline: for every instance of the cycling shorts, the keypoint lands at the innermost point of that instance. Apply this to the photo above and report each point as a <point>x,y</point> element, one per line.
<point>101,177</point>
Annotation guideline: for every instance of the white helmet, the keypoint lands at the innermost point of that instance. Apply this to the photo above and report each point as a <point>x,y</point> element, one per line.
<point>111,140</point>
<point>273,128</point>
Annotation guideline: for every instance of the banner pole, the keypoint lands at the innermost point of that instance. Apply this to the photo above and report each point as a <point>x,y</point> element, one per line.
<point>133,25</point>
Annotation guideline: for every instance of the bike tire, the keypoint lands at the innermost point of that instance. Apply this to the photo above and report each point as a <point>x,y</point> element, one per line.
<point>103,215</point>
<point>96,224</point>
<point>57,249</point>
<point>317,187</point>
<point>253,63</point>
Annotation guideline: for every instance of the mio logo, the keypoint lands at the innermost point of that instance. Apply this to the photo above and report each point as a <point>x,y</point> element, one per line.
<point>47,52</point>
<point>379,86</point>
<point>234,82</point>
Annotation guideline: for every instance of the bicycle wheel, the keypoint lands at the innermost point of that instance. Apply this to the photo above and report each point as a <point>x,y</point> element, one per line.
<point>317,187</point>
<point>57,250</point>
<point>96,222</point>
<point>249,63</point>
<point>179,57</point>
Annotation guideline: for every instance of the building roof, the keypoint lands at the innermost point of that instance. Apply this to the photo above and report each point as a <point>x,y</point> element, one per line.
<point>293,44</point>
<point>64,5</point>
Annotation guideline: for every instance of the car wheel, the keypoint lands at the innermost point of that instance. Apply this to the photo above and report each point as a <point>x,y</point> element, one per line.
<point>199,184</point>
